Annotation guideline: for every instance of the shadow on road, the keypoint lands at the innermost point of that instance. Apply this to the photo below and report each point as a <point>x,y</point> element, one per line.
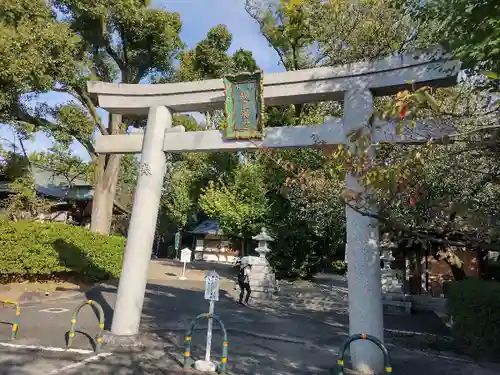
<point>297,333</point>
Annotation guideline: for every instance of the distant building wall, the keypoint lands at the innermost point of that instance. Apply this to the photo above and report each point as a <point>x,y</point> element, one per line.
<point>439,272</point>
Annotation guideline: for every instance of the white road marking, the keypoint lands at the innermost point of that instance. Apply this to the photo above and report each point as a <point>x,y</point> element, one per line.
<point>55,310</point>
<point>81,363</point>
<point>45,348</point>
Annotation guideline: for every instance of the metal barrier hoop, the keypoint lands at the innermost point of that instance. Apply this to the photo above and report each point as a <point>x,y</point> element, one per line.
<point>100,311</point>
<point>364,336</point>
<point>15,323</point>
<point>188,362</point>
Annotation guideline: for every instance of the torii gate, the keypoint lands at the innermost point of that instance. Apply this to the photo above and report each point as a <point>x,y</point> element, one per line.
<point>355,84</point>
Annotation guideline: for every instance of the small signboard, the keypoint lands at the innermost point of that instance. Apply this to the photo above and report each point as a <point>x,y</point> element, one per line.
<point>186,255</point>
<point>244,105</point>
<point>212,284</point>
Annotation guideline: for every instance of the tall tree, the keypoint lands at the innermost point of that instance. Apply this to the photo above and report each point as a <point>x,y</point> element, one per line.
<point>240,205</point>
<point>308,34</point>
<point>121,41</point>
<point>191,173</point>
<point>210,59</point>
<point>443,195</point>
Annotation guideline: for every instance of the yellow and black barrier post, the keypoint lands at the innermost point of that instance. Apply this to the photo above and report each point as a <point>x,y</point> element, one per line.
<point>363,336</point>
<point>100,311</point>
<point>15,323</point>
<point>188,361</point>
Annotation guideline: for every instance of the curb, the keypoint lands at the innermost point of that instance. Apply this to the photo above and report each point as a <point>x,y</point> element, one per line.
<point>42,300</point>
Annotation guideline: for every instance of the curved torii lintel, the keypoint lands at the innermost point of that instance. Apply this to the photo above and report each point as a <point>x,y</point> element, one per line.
<point>384,76</point>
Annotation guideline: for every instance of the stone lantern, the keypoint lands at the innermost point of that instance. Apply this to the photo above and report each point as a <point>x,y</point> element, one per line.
<point>263,238</point>
<point>262,279</point>
<point>393,297</point>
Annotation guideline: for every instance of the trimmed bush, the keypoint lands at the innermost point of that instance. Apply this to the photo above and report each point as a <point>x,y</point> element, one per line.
<point>34,250</point>
<point>475,307</point>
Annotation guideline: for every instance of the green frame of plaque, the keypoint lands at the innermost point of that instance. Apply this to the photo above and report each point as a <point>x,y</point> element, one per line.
<point>255,129</point>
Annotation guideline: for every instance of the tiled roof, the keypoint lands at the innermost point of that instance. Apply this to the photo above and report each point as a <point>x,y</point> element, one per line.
<point>208,227</point>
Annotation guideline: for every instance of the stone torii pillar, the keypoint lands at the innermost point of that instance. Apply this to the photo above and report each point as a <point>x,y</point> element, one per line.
<point>355,84</point>
<point>142,225</point>
<point>362,252</point>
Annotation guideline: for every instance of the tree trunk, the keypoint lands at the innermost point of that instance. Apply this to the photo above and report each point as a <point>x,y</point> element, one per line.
<point>106,182</point>
<point>456,265</point>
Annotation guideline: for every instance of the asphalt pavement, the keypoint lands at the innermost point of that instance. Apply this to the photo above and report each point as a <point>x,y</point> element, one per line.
<point>298,333</point>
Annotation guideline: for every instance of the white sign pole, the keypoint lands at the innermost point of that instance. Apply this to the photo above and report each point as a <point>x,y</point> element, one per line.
<point>185,258</point>
<point>183,272</point>
<point>209,331</point>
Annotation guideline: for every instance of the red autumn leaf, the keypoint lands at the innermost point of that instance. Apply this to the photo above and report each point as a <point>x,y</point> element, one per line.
<point>403,111</point>
<point>412,201</point>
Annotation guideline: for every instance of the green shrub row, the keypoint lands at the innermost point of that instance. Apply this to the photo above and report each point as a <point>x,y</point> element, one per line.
<point>35,250</point>
<point>475,307</point>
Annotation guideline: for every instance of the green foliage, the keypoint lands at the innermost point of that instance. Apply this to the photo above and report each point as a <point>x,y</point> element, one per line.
<point>44,250</point>
<point>240,206</point>
<point>308,33</point>
<point>191,173</point>
<point>188,175</point>
<point>37,51</point>
<point>417,197</point>
<point>24,203</point>
<point>14,165</point>
<point>339,267</point>
<point>287,28</point>
<point>187,121</point>
<point>137,38</point>
<point>243,61</point>
<point>129,171</point>
<point>307,216</point>
<point>64,163</point>
<point>469,28</point>
<point>72,121</point>
<point>177,202</point>
<point>475,308</point>
<point>111,41</point>
<point>210,58</point>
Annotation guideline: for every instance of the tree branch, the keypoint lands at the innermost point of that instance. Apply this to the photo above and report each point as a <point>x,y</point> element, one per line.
<point>408,233</point>
<point>66,90</point>
<point>450,137</point>
<point>144,67</point>
<point>23,116</point>
<point>87,101</point>
<point>256,18</point>
<point>125,45</point>
<point>109,49</point>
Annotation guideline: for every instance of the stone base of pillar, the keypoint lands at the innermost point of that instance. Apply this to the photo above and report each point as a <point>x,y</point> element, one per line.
<point>115,341</point>
<point>205,366</point>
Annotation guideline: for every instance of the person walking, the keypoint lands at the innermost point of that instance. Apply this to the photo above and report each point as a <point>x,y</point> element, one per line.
<point>244,283</point>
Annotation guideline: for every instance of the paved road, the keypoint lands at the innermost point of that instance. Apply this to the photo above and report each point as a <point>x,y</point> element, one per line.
<point>295,335</point>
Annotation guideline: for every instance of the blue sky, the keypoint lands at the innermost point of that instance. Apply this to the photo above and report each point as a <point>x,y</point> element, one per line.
<point>198,16</point>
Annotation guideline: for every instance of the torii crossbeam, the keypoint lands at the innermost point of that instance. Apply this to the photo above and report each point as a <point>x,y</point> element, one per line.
<point>355,84</point>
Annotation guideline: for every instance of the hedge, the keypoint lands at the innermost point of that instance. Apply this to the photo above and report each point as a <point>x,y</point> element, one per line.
<point>35,250</point>
<point>475,307</point>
